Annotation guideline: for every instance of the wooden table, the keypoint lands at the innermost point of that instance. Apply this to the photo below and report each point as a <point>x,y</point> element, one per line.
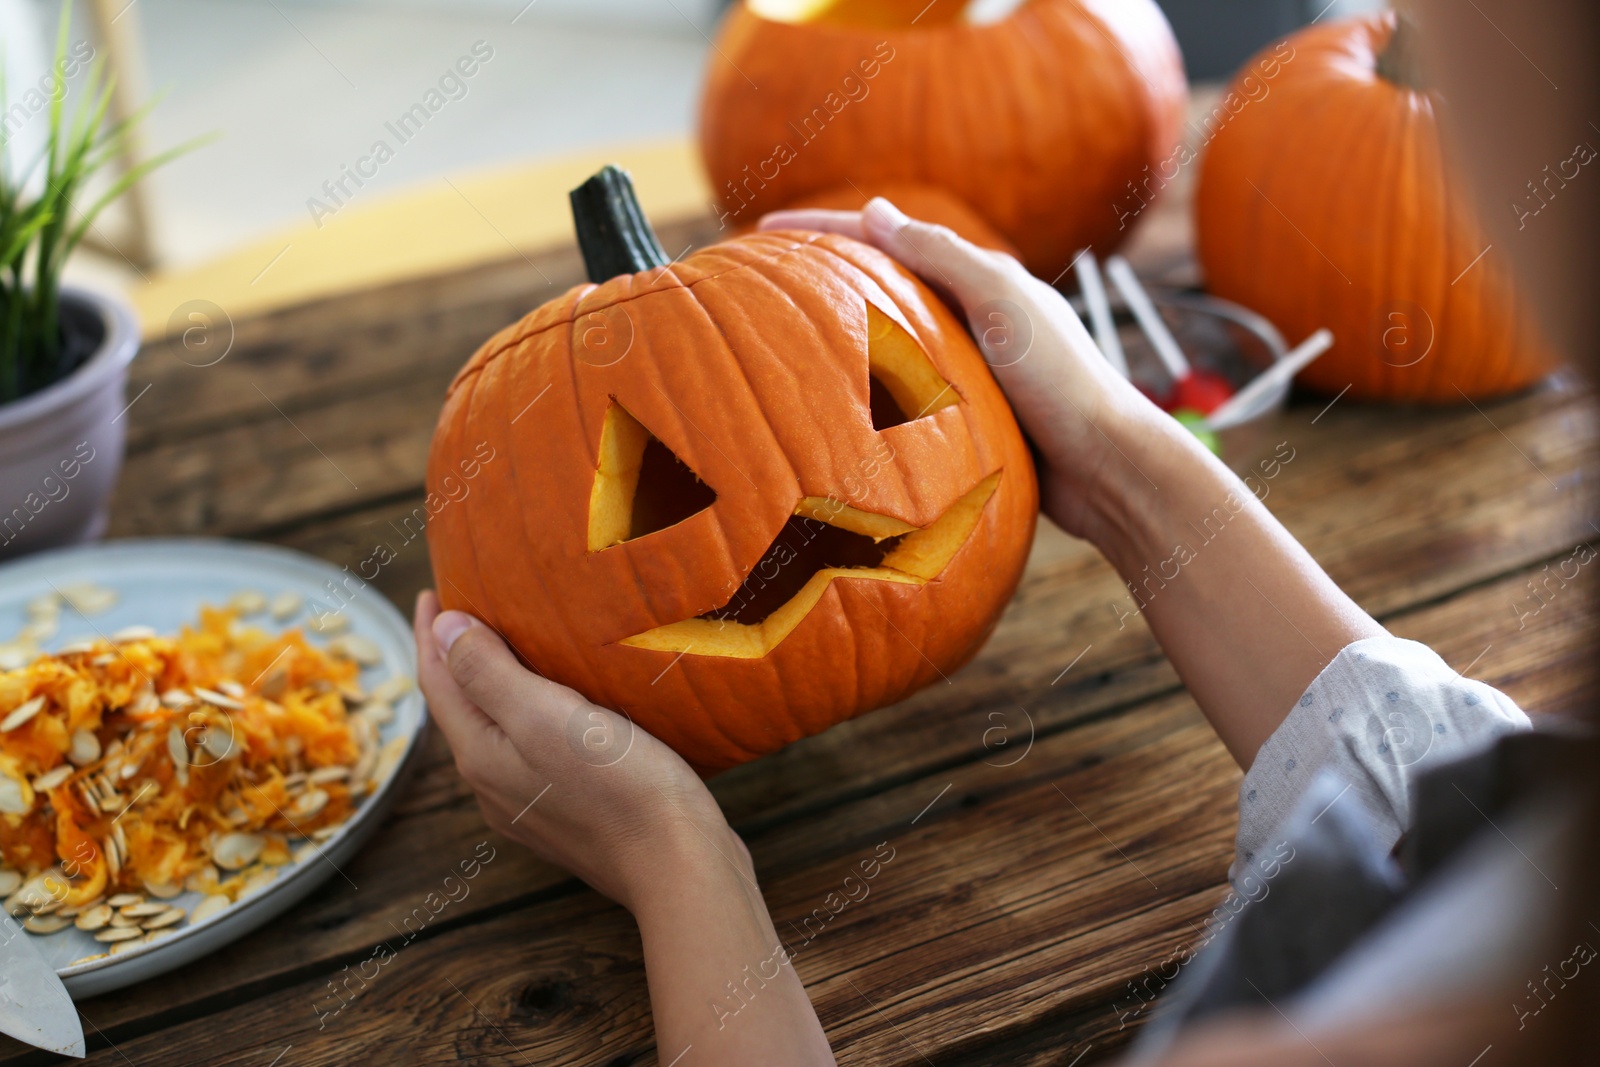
<point>1060,814</point>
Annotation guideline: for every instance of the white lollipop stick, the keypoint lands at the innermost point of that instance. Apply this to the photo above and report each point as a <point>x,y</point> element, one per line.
<point>1094,294</point>
<point>1161,338</point>
<point>1239,407</point>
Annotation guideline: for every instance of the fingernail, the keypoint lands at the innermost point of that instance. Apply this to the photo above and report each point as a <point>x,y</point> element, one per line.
<point>888,212</point>
<point>449,626</point>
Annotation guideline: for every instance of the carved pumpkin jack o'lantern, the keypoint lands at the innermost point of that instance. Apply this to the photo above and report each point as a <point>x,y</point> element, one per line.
<point>740,497</point>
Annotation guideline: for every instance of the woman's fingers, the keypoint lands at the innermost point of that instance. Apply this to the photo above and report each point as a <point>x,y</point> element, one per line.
<point>465,726</point>
<point>939,256</point>
<point>525,706</point>
<point>844,222</point>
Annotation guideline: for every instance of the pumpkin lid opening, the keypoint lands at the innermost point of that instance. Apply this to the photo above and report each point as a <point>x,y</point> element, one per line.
<point>613,233</point>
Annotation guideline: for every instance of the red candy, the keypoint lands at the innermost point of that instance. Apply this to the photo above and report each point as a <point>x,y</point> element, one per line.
<point>1201,390</point>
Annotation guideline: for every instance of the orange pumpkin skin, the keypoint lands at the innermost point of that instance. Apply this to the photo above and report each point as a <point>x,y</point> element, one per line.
<point>748,360</point>
<point>1039,121</point>
<point>924,202</point>
<point>1329,203</point>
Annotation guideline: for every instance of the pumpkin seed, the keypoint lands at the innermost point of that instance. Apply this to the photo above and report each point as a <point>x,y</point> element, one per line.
<point>134,633</point>
<point>108,846</point>
<point>45,924</point>
<point>310,803</point>
<point>89,599</point>
<point>172,916</point>
<point>38,630</point>
<point>79,647</point>
<point>94,918</point>
<point>87,959</point>
<point>257,881</point>
<point>177,698</point>
<point>84,748</point>
<point>44,892</point>
<point>143,910</point>
<point>52,778</point>
<point>126,944</point>
<point>144,702</point>
<point>44,606</point>
<point>286,604</point>
<point>120,921</point>
<point>323,833</point>
<point>377,713</point>
<point>10,881</point>
<point>218,744</point>
<point>123,900</point>
<point>158,933</point>
<point>328,622</point>
<point>248,602</point>
<point>202,880</point>
<point>176,749</point>
<point>235,851</point>
<point>327,775</point>
<point>393,752</point>
<point>391,689</point>
<point>21,713</point>
<point>14,906</point>
<point>209,906</point>
<point>362,650</point>
<point>216,699</point>
<point>233,689</point>
<point>14,799</point>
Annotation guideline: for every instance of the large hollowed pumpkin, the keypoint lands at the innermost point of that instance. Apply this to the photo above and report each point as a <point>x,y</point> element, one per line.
<point>740,497</point>
<point>1048,122</point>
<point>1329,202</point>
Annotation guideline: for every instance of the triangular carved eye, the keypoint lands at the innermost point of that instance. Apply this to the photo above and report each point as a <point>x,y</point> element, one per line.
<point>905,386</point>
<point>641,486</point>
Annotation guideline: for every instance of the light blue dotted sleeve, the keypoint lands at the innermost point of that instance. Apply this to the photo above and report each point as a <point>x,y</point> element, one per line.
<point>1382,712</point>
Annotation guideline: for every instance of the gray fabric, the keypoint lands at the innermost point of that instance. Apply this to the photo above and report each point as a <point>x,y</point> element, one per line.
<point>1360,815</point>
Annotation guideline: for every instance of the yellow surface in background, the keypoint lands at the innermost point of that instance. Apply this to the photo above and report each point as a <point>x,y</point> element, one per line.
<point>441,226</point>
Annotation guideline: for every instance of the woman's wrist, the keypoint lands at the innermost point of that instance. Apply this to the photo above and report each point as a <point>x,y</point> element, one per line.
<point>1114,490</point>
<point>685,862</point>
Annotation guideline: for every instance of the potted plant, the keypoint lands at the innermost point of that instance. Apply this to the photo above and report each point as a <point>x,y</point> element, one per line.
<point>64,351</point>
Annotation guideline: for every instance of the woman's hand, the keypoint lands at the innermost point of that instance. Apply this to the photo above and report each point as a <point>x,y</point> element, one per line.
<point>1242,611</point>
<point>588,791</point>
<point>576,783</point>
<point>1070,402</point>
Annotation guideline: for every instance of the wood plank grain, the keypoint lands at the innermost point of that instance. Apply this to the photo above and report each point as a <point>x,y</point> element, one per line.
<point>993,892</point>
<point>350,348</point>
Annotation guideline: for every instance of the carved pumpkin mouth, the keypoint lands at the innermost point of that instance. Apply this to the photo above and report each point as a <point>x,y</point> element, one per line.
<point>824,540</point>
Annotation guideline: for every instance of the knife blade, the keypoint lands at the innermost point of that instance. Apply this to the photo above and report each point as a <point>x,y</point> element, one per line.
<point>34,1005</point>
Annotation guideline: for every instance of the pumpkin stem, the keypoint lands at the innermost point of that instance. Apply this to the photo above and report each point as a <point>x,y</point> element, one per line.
<point>613,233</point>
<point>1400,61</point>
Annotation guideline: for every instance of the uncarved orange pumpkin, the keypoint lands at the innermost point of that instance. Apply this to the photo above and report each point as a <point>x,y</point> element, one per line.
<point>924,202</point>
<point>1042,122</point>
<point>1329,202</point>
<point>740,497</point>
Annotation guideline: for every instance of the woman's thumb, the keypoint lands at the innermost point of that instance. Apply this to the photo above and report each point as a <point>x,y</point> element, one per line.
<point>480,661</point>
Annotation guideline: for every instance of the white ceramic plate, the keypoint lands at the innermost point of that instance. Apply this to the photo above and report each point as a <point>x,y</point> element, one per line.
<point>163,583</point>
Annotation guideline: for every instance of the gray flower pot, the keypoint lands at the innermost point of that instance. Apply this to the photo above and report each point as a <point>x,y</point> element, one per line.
<point>61,448</point>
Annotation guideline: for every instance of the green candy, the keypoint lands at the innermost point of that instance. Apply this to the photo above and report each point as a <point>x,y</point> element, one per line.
<point>1195,422</point>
